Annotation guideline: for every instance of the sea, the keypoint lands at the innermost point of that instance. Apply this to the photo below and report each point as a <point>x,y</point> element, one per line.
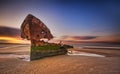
<point>18,51</point>
<point>22,51</point>
<point>98,45</point>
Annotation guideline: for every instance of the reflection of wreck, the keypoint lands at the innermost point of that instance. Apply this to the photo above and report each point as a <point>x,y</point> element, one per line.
<point>33,29</point>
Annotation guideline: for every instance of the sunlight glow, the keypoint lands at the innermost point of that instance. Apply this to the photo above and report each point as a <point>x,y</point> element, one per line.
<point>13,40</point>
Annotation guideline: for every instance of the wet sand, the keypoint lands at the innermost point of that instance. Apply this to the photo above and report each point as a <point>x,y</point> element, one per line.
<point>63,64</point>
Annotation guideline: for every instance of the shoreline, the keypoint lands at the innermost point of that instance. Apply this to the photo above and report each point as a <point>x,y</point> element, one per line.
<point>64,64</point>
<point>107,52</point>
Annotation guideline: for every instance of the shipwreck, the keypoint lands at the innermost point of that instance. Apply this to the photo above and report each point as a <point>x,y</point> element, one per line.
<point>36,31</point>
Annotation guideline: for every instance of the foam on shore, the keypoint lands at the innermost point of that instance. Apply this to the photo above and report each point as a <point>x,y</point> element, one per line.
<point>73,53</point>
<point>22,57</point>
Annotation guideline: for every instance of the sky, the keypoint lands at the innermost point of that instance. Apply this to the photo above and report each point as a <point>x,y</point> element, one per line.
<point>68,20</point>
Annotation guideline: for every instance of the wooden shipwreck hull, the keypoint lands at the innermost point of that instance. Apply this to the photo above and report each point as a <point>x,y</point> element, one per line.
<point>34,30</point>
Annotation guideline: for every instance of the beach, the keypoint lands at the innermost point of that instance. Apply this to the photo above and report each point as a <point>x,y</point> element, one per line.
<point>64,64</point>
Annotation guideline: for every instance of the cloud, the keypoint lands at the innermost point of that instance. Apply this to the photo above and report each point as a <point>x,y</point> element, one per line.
<point>10,32</point>
<point>83,39</point>
<point>15,33</point>
<point>10,35</point>
<point>12,40</point>
<point>78,37</point>
<point>109,38</point>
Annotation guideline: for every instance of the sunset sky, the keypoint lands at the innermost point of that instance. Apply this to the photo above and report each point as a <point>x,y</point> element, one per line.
<point>68,20</point>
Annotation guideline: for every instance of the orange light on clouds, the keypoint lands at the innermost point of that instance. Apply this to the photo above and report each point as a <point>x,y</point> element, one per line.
<point>13,40</point>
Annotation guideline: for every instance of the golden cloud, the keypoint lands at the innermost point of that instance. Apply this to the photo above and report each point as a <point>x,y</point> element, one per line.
<point>12,40</point>
<point>10,35</point>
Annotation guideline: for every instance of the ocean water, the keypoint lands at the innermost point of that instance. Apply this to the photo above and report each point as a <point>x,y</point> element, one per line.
<point>98,45</point>
<point>77,53</point>
<point>18,51</point>
<point>95,46</point>
<point>23,51</point>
